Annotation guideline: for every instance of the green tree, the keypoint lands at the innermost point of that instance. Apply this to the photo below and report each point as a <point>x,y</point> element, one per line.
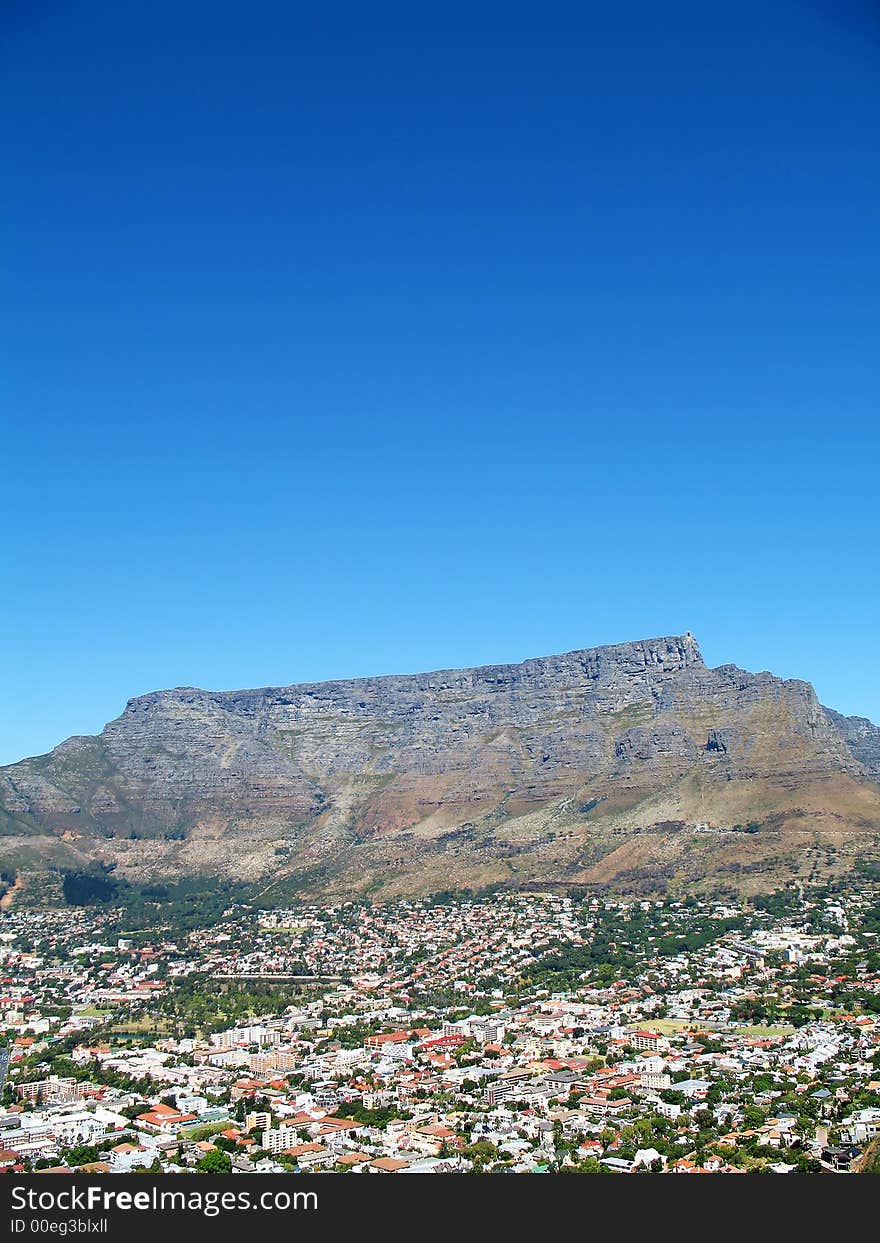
<point>215,1162</point>
<point>81,1154</point>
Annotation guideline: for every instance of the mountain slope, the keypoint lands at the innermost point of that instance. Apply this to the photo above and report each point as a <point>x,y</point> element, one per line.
<point>633,765</point>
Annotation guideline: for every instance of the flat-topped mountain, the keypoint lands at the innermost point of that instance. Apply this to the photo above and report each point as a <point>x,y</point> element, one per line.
<point>632,765</point>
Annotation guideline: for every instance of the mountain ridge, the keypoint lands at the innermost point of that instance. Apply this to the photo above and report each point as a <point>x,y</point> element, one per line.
<point>631,765</point>
<point>687,642</point>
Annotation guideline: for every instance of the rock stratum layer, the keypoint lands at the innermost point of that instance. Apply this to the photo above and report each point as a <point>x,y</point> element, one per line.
<point>632,766</point>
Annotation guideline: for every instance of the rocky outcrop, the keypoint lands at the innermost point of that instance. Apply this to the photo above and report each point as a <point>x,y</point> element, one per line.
<point>861,737</point>
<point>369,783</point>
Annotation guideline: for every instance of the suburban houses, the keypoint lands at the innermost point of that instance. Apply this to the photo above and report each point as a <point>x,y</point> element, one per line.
<point>508,1032</point>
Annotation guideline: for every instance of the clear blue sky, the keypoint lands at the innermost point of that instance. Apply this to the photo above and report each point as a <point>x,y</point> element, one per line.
<point>342,339</point>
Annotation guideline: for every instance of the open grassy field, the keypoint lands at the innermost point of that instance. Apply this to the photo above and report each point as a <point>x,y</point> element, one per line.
<point>205,1131</point>
<point>144,1025</point>
<point>670,1027</point>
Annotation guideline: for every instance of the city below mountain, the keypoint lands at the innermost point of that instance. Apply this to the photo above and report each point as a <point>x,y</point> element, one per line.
<point>632,768</point>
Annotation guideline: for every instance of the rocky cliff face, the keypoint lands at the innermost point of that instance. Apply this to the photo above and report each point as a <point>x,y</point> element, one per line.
<point>633,764</point>
<point>862,738</point>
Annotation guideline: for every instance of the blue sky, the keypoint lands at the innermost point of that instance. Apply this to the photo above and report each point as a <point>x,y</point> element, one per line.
<point>343,339</point>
